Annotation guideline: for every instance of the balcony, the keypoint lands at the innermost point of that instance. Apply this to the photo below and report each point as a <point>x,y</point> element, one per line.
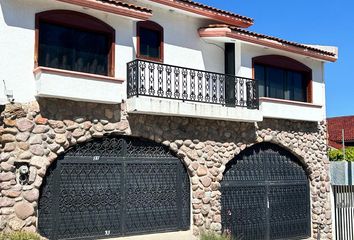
<point>161,89</point>
<point>77,86</point>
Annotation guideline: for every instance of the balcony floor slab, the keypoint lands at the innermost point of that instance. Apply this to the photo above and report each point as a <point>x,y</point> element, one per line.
<point>171,107</point>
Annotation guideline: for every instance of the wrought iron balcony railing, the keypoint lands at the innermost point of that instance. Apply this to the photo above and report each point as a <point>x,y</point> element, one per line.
<point>153,79</point>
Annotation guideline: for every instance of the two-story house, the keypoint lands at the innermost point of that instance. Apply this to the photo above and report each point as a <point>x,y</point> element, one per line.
<point>123,118</point>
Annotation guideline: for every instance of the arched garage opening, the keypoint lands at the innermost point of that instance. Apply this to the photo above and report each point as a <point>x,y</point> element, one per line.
<point>115,186</point>
<point>265,195</point>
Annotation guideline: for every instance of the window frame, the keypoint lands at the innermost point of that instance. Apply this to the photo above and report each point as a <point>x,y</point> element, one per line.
<point>150,25</point>
<point>289,64</point>
<point>80,21</point>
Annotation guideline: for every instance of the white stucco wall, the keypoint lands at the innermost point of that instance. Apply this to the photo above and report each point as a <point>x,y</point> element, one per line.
<point>182,46</point>
<point>284,110</point>
<point>56,85</point>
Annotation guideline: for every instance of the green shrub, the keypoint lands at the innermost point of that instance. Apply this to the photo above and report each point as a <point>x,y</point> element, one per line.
<point>19,236</point>
<point>337,155</point>
<point>349,153</point>
<point>214,236</point>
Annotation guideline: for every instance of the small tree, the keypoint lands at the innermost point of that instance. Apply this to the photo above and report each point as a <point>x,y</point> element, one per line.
<point>337,155</point>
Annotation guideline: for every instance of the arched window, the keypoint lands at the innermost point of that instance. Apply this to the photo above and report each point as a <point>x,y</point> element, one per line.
<point>149,41</point>
<point>283,77</point>
<point>74,41</point>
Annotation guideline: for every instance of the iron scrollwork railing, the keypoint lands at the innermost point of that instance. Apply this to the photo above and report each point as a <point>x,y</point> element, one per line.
<point>153,79</point>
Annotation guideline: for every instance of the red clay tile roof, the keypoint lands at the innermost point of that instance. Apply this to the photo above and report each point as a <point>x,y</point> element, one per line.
<point>279,40</point>
<point>196,4</point>
<point>208,11</point>
<point>126,5</point>
<point>336,145</point>
<point>335,126</point>
<point>114,6</point>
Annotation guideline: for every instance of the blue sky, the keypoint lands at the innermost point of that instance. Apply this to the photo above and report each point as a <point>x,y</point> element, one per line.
<point>323,22</point>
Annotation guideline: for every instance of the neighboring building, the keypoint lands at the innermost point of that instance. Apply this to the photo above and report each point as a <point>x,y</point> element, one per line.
<point>336,126</point>
<point>133,117</point>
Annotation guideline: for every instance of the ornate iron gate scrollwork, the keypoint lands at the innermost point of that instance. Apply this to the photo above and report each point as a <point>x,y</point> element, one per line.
<point>265,195</point>
<point>114,186</point>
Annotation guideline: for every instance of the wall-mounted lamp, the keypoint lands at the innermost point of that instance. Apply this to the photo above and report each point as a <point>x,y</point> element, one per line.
<point>22,173</point>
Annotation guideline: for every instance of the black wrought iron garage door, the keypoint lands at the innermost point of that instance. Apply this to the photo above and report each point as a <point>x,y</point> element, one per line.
<point>114,187</point>
<point>265,195</point>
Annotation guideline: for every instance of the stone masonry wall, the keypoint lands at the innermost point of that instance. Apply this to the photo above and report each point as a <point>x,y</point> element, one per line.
<point>38,132</point>
<point>206,147</point>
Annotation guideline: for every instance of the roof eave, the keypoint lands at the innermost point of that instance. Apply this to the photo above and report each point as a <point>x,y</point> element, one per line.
<point>106,7</point>
<point>239,22</point>
<point>226,32</point>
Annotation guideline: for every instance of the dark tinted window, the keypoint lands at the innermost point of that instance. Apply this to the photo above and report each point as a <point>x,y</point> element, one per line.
<point>299,87</point>
<point>289,86</point>
<point>260,77</point>
<point>150,42</point>
<point>73,49</point>
<point>275,80</point>
<point>281,83</point>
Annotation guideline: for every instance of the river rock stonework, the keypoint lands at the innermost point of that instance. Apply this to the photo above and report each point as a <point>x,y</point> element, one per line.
<point>36,133</point>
